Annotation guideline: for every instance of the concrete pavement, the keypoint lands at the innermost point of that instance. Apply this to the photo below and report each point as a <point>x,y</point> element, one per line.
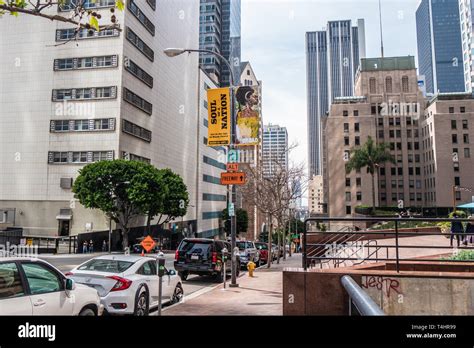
<point>260,295</point>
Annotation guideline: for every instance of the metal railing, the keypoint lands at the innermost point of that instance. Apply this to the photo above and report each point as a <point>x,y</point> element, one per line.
<point>364,244</point>
<point>359,301</point>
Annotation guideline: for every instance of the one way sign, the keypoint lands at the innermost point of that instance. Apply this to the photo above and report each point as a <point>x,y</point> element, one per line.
<point>233,178</point>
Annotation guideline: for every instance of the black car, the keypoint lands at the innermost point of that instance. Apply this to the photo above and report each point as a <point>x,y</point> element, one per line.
<point>203,257</point>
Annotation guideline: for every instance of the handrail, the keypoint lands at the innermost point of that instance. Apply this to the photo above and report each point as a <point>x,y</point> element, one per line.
<point>357,296</point>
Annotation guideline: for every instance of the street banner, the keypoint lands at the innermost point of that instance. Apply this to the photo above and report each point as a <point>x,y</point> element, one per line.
<point>219,117</point>
<point>248,116</point>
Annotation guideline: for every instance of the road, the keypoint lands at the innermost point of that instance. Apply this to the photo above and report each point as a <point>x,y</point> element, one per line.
<point>192,285</point>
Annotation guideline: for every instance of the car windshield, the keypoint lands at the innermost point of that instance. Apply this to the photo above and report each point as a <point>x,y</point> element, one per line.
<point>262,246</point>
<point>241,245</point>
<point>105,265</point>
<point>195,247</point>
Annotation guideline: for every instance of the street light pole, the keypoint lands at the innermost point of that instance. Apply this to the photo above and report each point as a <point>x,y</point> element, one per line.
<point>174,52</point>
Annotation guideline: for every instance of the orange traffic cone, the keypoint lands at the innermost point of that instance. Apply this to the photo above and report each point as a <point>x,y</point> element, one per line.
<point>143,253</point>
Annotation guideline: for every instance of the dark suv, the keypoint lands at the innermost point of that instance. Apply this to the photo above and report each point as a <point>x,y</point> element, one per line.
<point>203,257</point>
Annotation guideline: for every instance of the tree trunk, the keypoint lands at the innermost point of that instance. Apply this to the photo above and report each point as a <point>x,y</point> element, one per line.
<point>270,253</point>
<point>148,226</point>
<point>284,242</point>
<point>373,193</point>
<point>278,248</point>
<point>290,243</point>
<point>125,237</point>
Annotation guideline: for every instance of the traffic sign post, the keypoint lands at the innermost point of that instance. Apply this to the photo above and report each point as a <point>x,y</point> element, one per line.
<point>229,178</point>
<point>232,167</point>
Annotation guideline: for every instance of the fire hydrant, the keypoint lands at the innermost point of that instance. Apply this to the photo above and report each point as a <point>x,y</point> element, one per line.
<point>250,268</point>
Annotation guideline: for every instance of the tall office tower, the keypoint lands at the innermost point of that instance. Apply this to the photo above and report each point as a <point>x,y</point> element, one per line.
<point>465,15</point>
<point>220,30</point>
<point>440,53</point>
<point>111,95</point>
<point>332,58</point>
<point>387,107</point>
<point>275,149</point>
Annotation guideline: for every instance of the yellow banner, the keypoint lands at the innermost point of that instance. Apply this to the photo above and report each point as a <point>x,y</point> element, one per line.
<point>219,117</point>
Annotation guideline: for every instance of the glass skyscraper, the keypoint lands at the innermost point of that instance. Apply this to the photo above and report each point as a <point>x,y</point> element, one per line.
<point>220,30</point>
<point>332,59</point>
<point>440,56</point>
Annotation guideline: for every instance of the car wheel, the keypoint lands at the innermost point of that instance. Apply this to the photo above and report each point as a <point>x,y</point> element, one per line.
<point>87,312</point>
<point>141,304</point>
<point>178,294</point>
<point>183,275</point>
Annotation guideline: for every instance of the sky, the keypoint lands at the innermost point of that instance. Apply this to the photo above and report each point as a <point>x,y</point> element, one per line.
<point>273,40</point>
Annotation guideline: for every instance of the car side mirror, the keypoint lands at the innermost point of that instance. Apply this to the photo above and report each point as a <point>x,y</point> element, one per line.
<point>172,272</point>
<point>70,284</point>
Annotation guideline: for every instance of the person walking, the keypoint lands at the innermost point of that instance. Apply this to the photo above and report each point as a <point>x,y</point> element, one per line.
<point>470,230</point>
<point>84,247</point>
<point>91,246</point>
<point>456,230</point>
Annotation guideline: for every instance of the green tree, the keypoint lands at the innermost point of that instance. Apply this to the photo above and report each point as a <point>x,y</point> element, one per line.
<point>242,220</point>
<point>78,13</point>
<point>114,187</point>
<point>372,156</point>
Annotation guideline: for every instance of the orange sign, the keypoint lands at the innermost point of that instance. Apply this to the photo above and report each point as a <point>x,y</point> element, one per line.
<point>148,243</point>
<point>232,167</point>
<point>233,178</point>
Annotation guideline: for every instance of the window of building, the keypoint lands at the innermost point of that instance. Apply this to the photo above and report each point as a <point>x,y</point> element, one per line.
<point>357,141</point>
<point>394,184</point>
<point>456,166</point>
<point>399,133</point>
<point>465,124</point>
<point>462,109</point>
<point>453,124</point>
<point>465,138</point>
<point>405,85</point>
<point>382,171</point>
<point>391,133</point>
<point>398,121</point>
<point>136,131</point>
<point>345,113</point>
<point>380,121</point>
<point>346,141</point>
<point>356,113</point>
<point>348,196</point>
<point>393,171</point>
<point>417,145</point>
<point>358,182</point>
<point>372,85</point>
<point>391,121</point>
<point>467,152</point>
<point>454,138</point>
<point>388,84</point>
<point>346,127</point>
<point>132,6</point>
<point>457,180</point>
<point>400,171</point>
<point>381,134</point>
<point>139,73</point>
<point>348,210</point>
<point>137,101</point>
<point>359,196</point>
<point>451,109</point>
<point>411,171</point>
<point>458,195</point>
<point>373,110</point>
<point>348,182</point>
<point>417,171</point>
<point>356,127</point>
<point>140,45</point>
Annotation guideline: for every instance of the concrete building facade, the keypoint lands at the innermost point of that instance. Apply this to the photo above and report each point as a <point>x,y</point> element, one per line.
<point>113,95</point>
<point>316,195</point>
<point>275,149</point>
<point>387,106</point>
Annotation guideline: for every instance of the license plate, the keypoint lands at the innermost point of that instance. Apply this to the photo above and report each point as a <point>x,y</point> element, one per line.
<point>194,257</point>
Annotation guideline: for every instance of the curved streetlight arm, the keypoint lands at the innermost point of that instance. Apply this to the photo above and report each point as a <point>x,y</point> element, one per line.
<point>173,52</point>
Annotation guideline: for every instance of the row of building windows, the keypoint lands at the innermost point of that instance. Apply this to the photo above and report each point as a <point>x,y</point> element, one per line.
<point>90,125</point>
<point>152,4</point>
<point>213,197</point>
<point>132,157</point>
<point>84,93</point>
<point>73,33</point>
<point>78,157</point>
<point>137,101</point>
<point>465,138</point>
<point>139,73</point>
<point>389,85</point>
<point>462,109</point>
<point>213,162</point>
<point>136,131</point>
<point>211,215</point>
<point>467,152</point>
<point>86,63</point>
<point>140,45</point>
<point>211,179</point>
<point>356,127</point>
<point>141,17</point>
<point>68,5</point>
<point>454,124</point>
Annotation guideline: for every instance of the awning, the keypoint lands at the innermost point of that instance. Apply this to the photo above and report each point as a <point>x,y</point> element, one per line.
<point>467,206</point>
<point>64,217</point>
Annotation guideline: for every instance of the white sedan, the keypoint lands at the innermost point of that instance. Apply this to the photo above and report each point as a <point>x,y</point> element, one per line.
<point>128,284</point>
<point>29,286</point>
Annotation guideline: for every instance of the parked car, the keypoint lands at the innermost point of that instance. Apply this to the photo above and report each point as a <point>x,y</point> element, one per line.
<point>203,257</point>
<point>128,284</point>
<point>248,252</point>
<point>34,287</point>
<point>263,251</point>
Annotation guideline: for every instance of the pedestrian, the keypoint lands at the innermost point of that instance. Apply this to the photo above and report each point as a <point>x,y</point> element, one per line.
<point>456,230</point>
<point>91,246</point>
<point>84,247</point>
<point>470,230</point>
<point>104,246</point>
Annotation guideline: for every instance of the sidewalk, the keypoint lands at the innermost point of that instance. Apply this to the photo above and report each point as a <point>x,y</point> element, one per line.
<point>260,295</point>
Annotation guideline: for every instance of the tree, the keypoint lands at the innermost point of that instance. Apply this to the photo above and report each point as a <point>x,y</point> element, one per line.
<point>372,156</point>
<point>242,218</point>
<point>113,187</point>
<point>79,13</point>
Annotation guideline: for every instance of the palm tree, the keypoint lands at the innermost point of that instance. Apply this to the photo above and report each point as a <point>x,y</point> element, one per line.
<point>372,156</point>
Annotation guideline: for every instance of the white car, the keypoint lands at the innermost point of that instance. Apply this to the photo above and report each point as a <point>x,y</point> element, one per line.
<point>128,284</point>
<point>30,286</point>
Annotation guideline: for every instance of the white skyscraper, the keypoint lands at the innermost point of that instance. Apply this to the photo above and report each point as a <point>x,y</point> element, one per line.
<point>275,149</point>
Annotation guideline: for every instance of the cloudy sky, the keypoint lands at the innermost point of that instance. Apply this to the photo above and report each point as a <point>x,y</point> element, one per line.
<point>273,40</point>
